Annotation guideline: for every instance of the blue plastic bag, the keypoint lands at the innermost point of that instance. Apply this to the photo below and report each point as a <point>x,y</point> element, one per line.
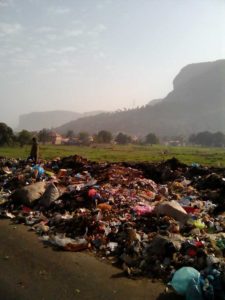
<point>194,291</point>
<point>41,171</point>
<point>182,279</point>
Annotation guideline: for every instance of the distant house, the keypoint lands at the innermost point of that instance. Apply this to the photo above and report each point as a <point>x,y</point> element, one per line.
<point>91,139</point>
<point>174,143</point>
<point>134,139</point>
<point>57,139</point>
<point>73,141</point>
<point>77,141</point>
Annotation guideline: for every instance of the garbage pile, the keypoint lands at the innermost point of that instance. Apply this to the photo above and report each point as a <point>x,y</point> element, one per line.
<point>151,220</point>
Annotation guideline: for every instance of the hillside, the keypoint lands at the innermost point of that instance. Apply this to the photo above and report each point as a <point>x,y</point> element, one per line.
<point>49,119</point>
<point>196,103</point>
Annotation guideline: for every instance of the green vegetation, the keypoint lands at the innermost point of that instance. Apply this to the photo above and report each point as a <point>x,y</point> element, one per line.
<point>24,137</point>
<point>113,153</point>
<point>208,139</point>
<point>104,136</point>
<point>123,138</point>
<point>6,135</point>
<point>151,139</point>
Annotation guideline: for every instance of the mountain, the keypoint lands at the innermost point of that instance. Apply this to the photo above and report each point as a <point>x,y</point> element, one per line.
<point>49,119</point>
<point>155,101</point>
<point>196,103</point>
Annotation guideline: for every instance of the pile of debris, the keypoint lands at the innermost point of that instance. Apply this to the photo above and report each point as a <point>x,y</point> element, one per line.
<point>150,219</point>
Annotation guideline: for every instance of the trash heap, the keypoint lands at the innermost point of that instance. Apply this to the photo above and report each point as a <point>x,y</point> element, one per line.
<point>151,220</point>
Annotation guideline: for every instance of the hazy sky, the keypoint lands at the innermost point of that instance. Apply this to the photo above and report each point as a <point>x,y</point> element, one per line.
<point>85,55</point>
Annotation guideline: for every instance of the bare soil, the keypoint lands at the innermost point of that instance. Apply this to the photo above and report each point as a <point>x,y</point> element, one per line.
<point>30,270</point>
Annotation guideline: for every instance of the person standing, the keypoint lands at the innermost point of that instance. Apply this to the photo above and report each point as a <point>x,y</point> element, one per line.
<point>34,152</point>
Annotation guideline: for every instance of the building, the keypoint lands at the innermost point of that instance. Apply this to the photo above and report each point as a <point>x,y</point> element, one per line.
<point>56,139</point>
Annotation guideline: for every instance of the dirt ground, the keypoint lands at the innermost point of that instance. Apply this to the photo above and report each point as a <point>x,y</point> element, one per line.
<point>30,270</point>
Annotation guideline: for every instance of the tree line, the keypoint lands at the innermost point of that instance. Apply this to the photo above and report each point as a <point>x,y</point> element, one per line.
<point>24,137</point>
<point>208,139</point>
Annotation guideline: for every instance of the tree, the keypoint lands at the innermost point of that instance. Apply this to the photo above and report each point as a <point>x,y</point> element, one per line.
<point>122,138</point>
<point>84,137</point>
<point>44,136</point>
<point>104,136</point>
<point>24,137</point>
<point>192,138</point>
<point>70,134</point>
<point>152,139</point>
<point>218,139</point>
<point>208,139</point>
<point>204,138</point>
<point>6,134</point>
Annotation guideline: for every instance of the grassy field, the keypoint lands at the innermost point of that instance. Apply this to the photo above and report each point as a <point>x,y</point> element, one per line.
<point>115,153</point>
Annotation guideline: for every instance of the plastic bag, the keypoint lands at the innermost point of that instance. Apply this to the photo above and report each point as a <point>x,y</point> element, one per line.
<point>182,278</point>
<point>194,291</point>
<point>69,244</point>
<point>50,195</point>
<point>143,209</point>
<point>199,224</point>
<point>39,171</point>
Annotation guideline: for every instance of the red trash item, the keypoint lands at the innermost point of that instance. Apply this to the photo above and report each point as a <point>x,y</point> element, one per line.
<point>92,193</point>
<point>62,173</point>
<point>199,244</point>
<point>143,209</point>
<point>26,209</point>
<point>192,252</point>
<point>190,209</point>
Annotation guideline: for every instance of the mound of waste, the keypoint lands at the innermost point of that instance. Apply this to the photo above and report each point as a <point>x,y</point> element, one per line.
<point>151,220</point>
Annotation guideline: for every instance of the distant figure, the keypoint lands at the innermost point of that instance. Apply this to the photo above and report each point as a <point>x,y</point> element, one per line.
<point>34,150</point>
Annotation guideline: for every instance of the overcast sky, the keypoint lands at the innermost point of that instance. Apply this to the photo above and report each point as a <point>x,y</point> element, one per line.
<point>85,55</point>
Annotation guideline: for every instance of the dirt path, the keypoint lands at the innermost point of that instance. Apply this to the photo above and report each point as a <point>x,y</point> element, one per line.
<point>29,270</point>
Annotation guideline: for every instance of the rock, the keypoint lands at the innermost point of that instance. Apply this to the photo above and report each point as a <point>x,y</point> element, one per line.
<point>172,209</point>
